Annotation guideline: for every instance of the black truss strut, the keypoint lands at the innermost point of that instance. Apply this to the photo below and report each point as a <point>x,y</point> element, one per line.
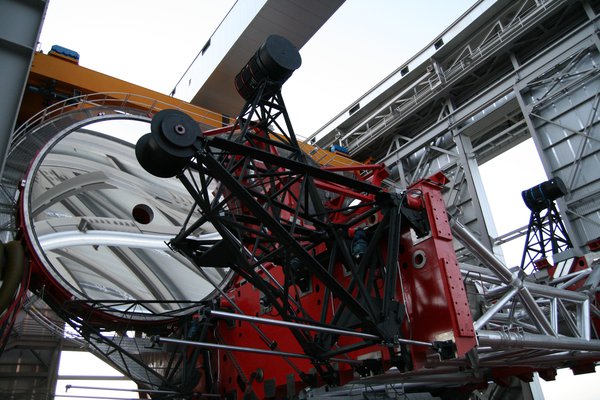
<point>257,171</point>
<point>298,166</point>
<point>286,239</point>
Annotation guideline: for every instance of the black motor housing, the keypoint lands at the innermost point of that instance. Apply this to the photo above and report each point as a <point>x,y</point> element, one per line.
<point>272,64</point>
<point>169,147</point>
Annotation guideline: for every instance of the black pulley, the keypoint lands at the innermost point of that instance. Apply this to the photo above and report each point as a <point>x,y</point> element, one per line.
<point>272,64</point>
<point>540,196</point>
<point>169,147</point>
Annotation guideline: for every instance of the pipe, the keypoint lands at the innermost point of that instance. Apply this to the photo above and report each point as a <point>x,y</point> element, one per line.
<point>495,308</point>
<point>554,314</point>
<point>67,387</point>
<point>550,291</point>
<point>78,397</point>
<point>482,252</point>
<point>535,312</point>
<point>568,320</point>
<point>572,278</point>
<point>586,327</point>
<point>510,278</point>
<point>553,359</point>
<point>294,325</point>
<point>59,240</point>
<point>499,339</point>
<point>159,340</point>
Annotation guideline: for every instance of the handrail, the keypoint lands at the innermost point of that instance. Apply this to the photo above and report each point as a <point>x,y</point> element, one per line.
<point>104,99</point>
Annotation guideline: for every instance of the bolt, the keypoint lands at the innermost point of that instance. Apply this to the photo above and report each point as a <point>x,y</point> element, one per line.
<point>179,129</point>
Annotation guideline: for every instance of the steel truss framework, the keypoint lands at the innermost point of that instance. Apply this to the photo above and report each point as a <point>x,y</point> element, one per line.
<point>546,235</point>
<point>529,70</point>
<point>523,322</point>
<point>286,226</point>
<point>128,346</point>
<point>470,102</point>
<point>533,56</point>
<point>519,322</point>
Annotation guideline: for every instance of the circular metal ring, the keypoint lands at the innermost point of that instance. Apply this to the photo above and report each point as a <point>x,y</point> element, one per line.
<point>419,259</point>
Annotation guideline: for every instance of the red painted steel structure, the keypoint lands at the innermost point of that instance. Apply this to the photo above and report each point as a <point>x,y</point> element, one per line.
<point>312,246</point>
<point>339,276</point>
<point>436,304</point>
<point>296,259</point>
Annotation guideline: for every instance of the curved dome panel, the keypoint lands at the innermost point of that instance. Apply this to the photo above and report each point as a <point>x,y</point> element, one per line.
<point>98,224</point>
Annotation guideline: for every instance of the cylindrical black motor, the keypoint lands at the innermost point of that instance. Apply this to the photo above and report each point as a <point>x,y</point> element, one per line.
<point>169,147</point>
<point>538,197</point>
<point>272,64</point>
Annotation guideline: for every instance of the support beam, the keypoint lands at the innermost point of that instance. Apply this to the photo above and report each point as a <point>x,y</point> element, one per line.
<point>20,26</point>
<point>506,340</point>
